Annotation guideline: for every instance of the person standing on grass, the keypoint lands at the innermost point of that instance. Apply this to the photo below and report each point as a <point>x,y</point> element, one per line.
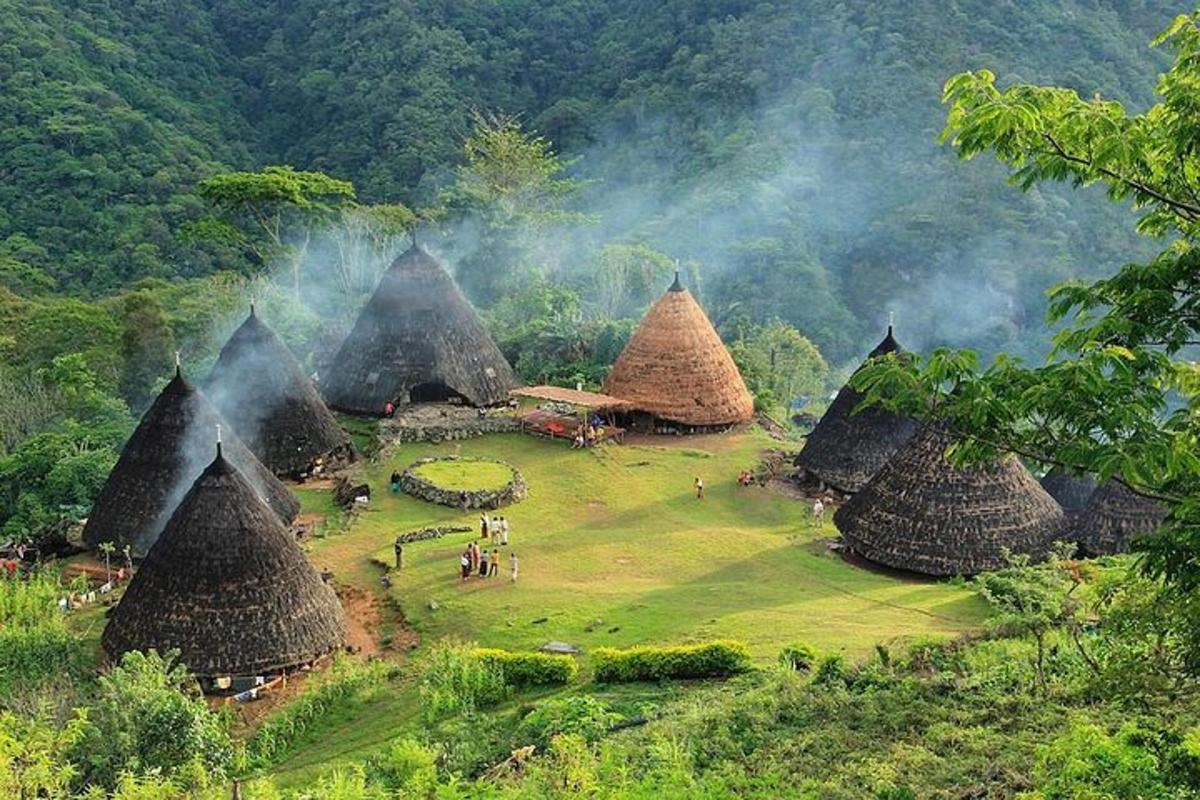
<point>514,567</point>
<point>465,563</point>
<point>818,511</point>
<point>398,547</point>
<point>699,488</point>
<point>495,567</point>
<point>504,531</point>
<point>484,525</point>
<point>484,564</point>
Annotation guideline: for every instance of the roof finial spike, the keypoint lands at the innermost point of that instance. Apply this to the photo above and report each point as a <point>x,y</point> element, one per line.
<point>178,365</point>
<point>676,286</point>
<point>218,440</point>
<point>252,308</point>
<point>891,321</point>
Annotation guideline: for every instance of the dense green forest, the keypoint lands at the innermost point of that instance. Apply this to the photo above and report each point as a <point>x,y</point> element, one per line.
<point>788,150</point>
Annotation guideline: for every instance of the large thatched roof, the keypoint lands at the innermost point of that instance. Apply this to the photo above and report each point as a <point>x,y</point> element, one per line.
<point>676,367</point>
<point>921,513</point>
<point>160,461</point>
<point>846,449</point>
<point>1113,516</point>
<point>417,338</point>
<point>1071,489</point>
<point>258,386</point>
<point>227,586</point>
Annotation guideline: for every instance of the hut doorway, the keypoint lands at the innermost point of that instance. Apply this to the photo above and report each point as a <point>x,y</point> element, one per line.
<point>435,393</point>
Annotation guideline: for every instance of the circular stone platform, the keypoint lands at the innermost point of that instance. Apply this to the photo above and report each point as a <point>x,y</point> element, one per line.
<point>464,482</point>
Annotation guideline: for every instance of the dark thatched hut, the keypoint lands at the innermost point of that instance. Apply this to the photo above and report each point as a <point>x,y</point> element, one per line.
<point>846,449</point>
<point>160,461</point>
<point>1114,515</point>
<point>259,387</point>
<point>676,368</point>
<point>417,340</point>
<point>922,514</point>
<point>227,586</point>
<point>1071,489</point>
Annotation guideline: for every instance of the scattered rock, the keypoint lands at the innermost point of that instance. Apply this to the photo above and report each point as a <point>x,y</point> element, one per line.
<point>593,625</point>
<point>560,647</point>
<point>433,605</point>
<point>540,621</point>
<point>614,629</point>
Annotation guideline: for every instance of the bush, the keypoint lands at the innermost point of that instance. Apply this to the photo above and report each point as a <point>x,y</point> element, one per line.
<point>580,715</point>
<point>710,660</point>
<point>799,656</point>
<point>831,670</point>
<point>149,717</point>
<point>406,767</point>
<point>529,669</point>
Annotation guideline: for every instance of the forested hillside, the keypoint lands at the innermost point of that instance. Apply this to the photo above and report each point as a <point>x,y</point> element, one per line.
<point>787,149</point>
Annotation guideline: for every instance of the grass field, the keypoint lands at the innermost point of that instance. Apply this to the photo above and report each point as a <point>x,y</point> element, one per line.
<point>615,549</point>
<point>465,475</point>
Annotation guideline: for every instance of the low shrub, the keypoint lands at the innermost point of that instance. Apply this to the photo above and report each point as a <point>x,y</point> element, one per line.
<point>718,659</point>
<point>580,715</point>
<point>529,669</point>
<point>831,670</point>
<point>799,656</point>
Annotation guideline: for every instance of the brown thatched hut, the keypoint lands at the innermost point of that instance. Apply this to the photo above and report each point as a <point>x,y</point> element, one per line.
<point>923,514</point>
<point>162,458</point>
<point>1114,515</point>
<point>1071,489</point>
<point>846,449</point>
<point>259,387</point>
<point>227,586</point>
<point>417,340</point>
<point>676,369</point>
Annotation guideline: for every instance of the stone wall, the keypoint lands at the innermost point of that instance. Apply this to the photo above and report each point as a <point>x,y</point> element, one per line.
<point>425,534</point>
<point>418,487</point>
<point>439,422</point>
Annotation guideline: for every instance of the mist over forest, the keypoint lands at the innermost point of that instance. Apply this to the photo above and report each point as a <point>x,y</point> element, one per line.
<point>786,152</point>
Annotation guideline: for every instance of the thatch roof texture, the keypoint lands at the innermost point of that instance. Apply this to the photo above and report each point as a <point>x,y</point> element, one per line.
<point>417,335</point>
<point>676,367</point>
<point>227,585</point>
<point>846,449</point>
<point>162,458</point>
<point>1071,489</point>
<point>259,387</point>
<point>923,514</point>
<point>1113,516</point>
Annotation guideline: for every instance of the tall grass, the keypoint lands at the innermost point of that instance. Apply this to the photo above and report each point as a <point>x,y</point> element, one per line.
<point>35,644</point>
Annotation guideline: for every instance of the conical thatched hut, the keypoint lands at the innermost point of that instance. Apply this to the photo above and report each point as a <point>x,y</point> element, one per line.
<point>920,513</point>
<point>257,385</point>
<point>417,339</point>
<point>846,449</point>
<point>1071,489</point>
<point>1113,516</point>
<point>227,586</point>
<point>676,368</point>
<point>160,461</point>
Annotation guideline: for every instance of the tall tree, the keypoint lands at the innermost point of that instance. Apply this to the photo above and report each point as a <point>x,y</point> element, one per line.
<point>146,348</point>
<point>1120,395</point>
<point>512,188</point>
<point>272,214</point>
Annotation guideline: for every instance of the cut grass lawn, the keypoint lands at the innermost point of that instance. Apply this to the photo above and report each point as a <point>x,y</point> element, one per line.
<point>616,550</point>
<point>466,474</point>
